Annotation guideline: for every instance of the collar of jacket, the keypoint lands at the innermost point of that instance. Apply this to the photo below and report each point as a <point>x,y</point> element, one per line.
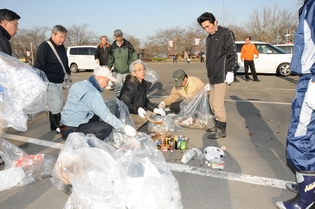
<point>5,32</point>
<point>94,83</point>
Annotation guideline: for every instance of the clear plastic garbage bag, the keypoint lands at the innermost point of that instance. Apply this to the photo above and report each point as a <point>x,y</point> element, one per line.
<point>195,112</point>
<point>21,168</point>
<point>23,92</point>
<point>132,175</point>
<point>151,76</point>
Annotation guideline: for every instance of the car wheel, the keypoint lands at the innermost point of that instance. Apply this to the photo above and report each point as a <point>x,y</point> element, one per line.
<point>284,69</point>
<point>74,68</point>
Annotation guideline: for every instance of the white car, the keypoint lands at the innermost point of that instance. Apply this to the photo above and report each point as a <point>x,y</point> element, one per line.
<point>286,47</point>
<point>272,60</point>
<point>81,58</point>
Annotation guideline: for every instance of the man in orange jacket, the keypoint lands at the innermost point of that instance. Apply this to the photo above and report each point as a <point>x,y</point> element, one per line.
<point>247,56</point>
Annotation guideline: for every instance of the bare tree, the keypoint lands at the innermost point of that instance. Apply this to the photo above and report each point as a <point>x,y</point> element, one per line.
<point>79,35</point>
<point>271,24</point>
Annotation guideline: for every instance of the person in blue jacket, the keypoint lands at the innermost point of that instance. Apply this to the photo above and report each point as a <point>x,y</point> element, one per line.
<point>85,107</point>
<point>301,134</point>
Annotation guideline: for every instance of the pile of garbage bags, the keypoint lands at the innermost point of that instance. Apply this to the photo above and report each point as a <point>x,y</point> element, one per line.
<point>21,168</point>
<point>22,92</point>
<point>134,176</point>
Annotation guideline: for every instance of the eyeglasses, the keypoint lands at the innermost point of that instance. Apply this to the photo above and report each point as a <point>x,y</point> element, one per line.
<point>14,23</point>
<point>141,70</point>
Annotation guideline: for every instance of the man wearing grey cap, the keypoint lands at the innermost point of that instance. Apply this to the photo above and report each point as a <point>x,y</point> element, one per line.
<point>184,87</point>
<point>121,55</point>
<point>85,107</point>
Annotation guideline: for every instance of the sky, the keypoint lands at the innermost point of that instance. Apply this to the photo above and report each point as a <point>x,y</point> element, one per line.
<point>139,18</point>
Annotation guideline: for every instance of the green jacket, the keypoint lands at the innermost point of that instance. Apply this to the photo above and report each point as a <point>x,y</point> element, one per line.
<point>121,57</point>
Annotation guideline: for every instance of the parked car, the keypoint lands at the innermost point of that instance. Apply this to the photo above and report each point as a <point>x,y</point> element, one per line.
<point>286,47</point>
<point>81,58</point>
<point>272,60</point>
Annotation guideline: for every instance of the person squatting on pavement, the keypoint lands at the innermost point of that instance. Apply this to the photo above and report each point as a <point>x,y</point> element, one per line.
<point>221,62</point>
<point>8,29</point>
<point>184,86</point>
<point>85,107</point>
<point>47,61</point>
<point>301,133</point>
<point>121,54</point>
<point>134,95</point>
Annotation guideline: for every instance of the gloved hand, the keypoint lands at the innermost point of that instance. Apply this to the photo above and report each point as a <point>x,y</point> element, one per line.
<point>97,61</point>
<point>161,105</point>
<point>229,78</point>
<point>130,131</point>
<point>141,112</point>
<point>159,111</point>
<point>207,87</point>
<point>310,96</point>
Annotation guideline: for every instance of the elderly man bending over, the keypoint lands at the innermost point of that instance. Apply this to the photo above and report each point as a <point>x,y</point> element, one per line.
<point>85,106</point>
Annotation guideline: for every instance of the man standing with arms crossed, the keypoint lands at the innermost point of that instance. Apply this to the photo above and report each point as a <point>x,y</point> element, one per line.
<point>121,55</point>
<point>247,56</point>
<point>221,61</point>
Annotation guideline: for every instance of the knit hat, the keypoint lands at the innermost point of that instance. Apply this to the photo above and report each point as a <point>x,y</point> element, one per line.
<point>118,32</point>
<point>104,71</point>
<point>178,76</point>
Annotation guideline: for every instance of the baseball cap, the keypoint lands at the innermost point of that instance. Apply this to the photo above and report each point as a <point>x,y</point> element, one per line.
<point>118,32</point>
<point>178,76</point>
<point>104,71</point>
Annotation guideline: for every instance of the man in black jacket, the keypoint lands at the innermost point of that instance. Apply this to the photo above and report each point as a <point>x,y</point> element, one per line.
<point>221,63</point>
<point>47,61</point>
<point>134,95</point>
<point>8,28</point>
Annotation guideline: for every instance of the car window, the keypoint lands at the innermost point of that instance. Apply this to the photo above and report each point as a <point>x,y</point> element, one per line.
<point>239,47</point>
<point>74,51</point>
<point>92,51</point>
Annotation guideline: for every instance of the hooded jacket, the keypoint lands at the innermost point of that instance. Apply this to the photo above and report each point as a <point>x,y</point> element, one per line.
<point>134,95</point>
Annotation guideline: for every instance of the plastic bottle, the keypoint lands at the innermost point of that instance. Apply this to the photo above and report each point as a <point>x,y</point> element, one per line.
<point>188,156</point>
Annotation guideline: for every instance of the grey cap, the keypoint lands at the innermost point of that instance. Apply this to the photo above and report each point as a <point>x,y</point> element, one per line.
<point>178,77</point>
<point>118,32</point>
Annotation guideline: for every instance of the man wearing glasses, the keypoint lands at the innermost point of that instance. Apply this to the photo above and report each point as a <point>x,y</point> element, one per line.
<point>134,95</point>
<point>8,29</point>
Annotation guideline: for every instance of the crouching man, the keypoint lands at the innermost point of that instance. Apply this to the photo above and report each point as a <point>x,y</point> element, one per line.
<point>85,107</point>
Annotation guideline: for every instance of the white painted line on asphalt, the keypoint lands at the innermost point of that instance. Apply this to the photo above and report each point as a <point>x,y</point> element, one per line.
<point>263,181</point>
<point>255,101</point>
<point>176,167</point>
<point>33,141</point>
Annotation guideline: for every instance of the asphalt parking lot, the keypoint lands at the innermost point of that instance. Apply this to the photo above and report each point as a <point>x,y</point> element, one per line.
<point>255,162</point>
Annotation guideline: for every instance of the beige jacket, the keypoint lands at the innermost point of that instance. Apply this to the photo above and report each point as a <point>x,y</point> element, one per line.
<point>194,85</point>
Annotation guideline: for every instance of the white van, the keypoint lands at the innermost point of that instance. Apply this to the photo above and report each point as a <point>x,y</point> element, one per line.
<point>272,60</point>
<point>81,58</point>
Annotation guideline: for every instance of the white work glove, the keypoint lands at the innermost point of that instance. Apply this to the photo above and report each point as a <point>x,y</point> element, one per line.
<point>161,105</point>
<point>97,61</point>
<point>141,112</point>
<point>159,111</point>
<point>310,96</point>
<point>229,78</point>
<point>130,131</point>
<point>207,87</point>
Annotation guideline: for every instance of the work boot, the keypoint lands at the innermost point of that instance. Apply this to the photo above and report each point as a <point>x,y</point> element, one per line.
<point>214,128</point>
<point>305,193</point>
<point>220,131</point>
<point>293,187</point>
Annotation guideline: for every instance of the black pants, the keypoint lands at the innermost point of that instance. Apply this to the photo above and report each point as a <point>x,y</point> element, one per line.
<point>251,64</point>
<point>175,107</point>
<point>99,128</point>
